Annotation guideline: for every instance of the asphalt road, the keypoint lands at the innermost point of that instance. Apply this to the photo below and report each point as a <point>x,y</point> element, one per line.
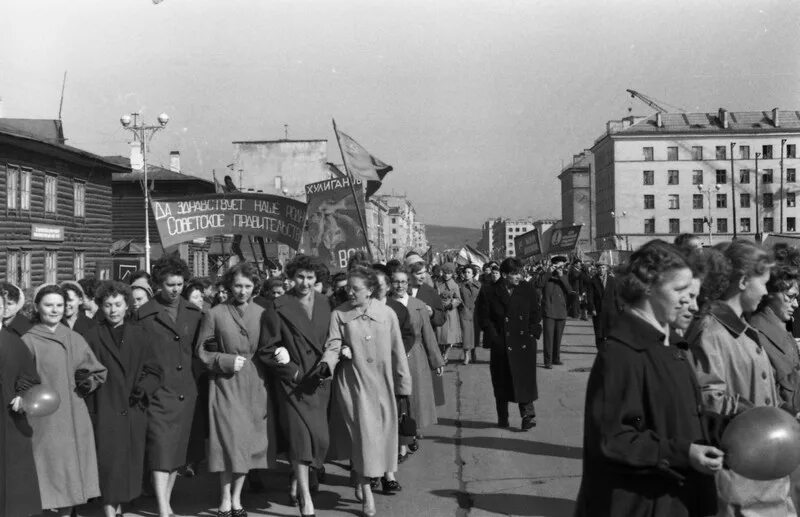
<point>465,465</point>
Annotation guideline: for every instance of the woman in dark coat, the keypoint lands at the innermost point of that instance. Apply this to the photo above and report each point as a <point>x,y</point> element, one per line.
<point>13,319</point>
<point>428,295</point>
<point>172,325</point>
<point>294,329</point>
<point>19,485</point>
<point>644,452</point>
<point>470,288</point>
<point>74,317</point>
<point>119,407</point>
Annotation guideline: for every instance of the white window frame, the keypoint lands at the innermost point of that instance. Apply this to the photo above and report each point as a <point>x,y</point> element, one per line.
<point>50,266</point>
<point>79,265</point>
<point>50,192</point>
<point>79,198</point>
<point>12,187</point>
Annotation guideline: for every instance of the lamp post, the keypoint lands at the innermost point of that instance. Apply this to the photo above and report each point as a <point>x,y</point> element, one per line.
<point>780,192</point>
<point>617,236</point>
<point>758,216</point>
<point>709,220</point>
<point>733,193</point>
<point>143,134</point>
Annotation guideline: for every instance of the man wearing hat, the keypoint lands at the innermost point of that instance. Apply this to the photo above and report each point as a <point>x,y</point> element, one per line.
<point>555,293</point>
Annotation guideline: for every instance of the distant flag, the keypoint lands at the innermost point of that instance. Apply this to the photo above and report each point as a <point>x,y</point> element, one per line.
<point>469,255</point>
<point>359,162</point>
<point>218,188</point>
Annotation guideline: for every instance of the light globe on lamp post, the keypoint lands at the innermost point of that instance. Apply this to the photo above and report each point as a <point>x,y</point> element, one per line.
<point>143,134</point>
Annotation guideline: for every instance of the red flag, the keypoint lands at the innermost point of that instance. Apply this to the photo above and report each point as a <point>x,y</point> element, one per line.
<point>360,163</point>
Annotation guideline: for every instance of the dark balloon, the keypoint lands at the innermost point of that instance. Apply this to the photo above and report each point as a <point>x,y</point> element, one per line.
<point>762,443</point>
<point>40,401</point>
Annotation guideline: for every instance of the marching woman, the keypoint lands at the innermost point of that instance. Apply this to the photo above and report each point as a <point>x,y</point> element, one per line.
<point>13,319</point>
<point>364,336</point>
<point>74,316</point>
<point>424,356</point>
<point>120,405</point>
<point>449,334</point>
<point>241,422</point>
<point>19,487</point>
<point>294,329</point>
<point>63,442</point>
<point>644,449</point>
<point>469,290</point>
<point>734,371</point>
<point>171,324</point>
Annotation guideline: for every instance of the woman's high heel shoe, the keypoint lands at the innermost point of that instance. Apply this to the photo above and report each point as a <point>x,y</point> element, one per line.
<point>301,510</point>
<point>389,487</point>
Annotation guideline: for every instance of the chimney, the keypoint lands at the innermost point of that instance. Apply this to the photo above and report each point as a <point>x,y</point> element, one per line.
<point>775,119</point>
<point>175,161</point>
<point>723,117</point>
<point>659,120</point>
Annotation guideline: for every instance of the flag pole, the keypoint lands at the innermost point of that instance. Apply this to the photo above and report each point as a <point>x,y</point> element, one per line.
<point>353,190</point>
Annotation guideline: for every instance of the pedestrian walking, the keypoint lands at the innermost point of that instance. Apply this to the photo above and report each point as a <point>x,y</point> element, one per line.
<point>735,373</point>
<point>172,325</point>
<point>643,434</point>
<point>364,340</point>
<point>119,406</point>
<point>74,317</point>
<point>449,334</point>
<point>511,322</point>
<point>469,290</point>
<point>555,293</point>
<point>63,442</point>
<point>19,485</point>
<point>294,330</point>
<point>603,303</point>
<point>242,432</point>
<point>13,318</point>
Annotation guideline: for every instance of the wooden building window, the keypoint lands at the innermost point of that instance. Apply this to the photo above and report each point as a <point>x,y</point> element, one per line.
<point>79,265</point>
<point>25,189</point>
<point>50,192</point>
<point>79,194</point>
<point>200,263</point>
<point>12,188</point>
<point>50,267</point>
<point>18,268</point>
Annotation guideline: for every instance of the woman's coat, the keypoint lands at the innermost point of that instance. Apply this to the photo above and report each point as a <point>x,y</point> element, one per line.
<point>365,386</point>
<point>19,486</point>
<point>171,409</point>
<point>63,442</point>
<point>423,358</point>
<point>466,312</point>
<point>450,332</point>
<point>302,399</point>
<point>241,422</point>
<point>120,428</point>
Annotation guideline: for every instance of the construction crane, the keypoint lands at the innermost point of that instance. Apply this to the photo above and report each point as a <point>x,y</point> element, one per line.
<point>647,100</point>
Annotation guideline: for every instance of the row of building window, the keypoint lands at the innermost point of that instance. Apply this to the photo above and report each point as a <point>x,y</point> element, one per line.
<point>18,192</point>
<point>699,225</point>
<point>18,266</point>
<point>720,152</point>
<point>674,201</point>
<point>721,177</point>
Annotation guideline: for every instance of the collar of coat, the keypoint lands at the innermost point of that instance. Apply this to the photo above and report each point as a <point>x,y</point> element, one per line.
<point>153,307</point>
<point>723,313</point>
<point>375,311</point>
<point>769,324</point>
<point>636,333</point>
<point>61,334</point>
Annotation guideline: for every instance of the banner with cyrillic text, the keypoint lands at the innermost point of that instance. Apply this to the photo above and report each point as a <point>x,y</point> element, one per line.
<point>272,217</point>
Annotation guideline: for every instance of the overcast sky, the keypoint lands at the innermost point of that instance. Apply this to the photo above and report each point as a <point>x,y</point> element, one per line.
<point>475,104</point>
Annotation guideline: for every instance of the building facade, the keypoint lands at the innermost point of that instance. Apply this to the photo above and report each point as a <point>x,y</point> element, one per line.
<point>487,244</point>
<point>401,219</point>
<point>377,213</point>
<point>674,173</point>
<point>576,198</point>
<point>504,231</point>
<point>56,219</point>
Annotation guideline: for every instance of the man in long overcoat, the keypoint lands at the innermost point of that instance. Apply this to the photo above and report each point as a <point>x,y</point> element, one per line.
<point>555,293</point>
<point>511,320</point>
<point>603,303</point>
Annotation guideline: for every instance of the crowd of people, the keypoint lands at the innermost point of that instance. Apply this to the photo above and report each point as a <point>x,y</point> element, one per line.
<point>163,375</point>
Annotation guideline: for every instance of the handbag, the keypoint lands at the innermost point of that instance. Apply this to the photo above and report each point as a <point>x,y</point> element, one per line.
<point>407,426</point>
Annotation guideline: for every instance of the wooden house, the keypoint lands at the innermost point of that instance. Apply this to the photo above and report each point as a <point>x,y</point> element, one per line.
<point>56,206</point>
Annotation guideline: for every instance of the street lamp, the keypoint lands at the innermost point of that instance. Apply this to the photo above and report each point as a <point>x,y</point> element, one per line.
<point>733,192</point>
<point>617,236</point>
<point>780,192</point>
<point>758,216</point>
<point>709,220</point>
<point>143,134</point>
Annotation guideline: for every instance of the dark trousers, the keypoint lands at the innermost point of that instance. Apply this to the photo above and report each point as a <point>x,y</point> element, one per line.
<point>525,409</point>
<point>552,330</point>
<point>598,339</point>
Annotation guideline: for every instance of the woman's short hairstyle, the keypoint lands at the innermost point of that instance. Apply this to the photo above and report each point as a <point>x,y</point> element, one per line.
<point>746,259</point>
<point>190,288</point>
<point>48,289</point>
<point>170,265</point>
<point>302,263</point>
<point>359,258</point>
<point>416,267</point>
<point>73,287</point>
<point>88,286</point>
<point>646,267</point>
<point>246,269</point>
<point>112,288</point>
<point>10,292</point>
<point>511,266</point>
<point>398,268</point>
<point>367,274</point>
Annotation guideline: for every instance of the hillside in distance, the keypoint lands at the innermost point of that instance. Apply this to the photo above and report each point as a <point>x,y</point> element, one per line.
<point>447,237</point>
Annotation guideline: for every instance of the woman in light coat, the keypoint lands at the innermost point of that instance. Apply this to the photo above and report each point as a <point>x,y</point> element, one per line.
<point>241,422</point>
<point>364,336</point>
<point>469,289</point>
<point>734,371</point>
<point>449,334</point>
<point>63,442</point>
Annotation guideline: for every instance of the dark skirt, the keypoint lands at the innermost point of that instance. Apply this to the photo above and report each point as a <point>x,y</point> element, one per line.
<point>303,416</point>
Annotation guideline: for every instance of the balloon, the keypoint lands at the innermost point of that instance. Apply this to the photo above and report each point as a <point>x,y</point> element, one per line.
<point>762,443</point>
<point>40,401</point>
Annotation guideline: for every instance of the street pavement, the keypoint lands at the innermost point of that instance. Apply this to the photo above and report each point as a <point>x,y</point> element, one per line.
<point>465,464</point>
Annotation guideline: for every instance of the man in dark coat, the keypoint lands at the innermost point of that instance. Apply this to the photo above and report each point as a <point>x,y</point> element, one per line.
<point>603,303</point>
<point>511,321</point>
<point>555,293</point>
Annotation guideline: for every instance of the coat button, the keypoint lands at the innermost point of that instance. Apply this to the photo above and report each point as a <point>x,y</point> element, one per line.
<point>524,347</point>
<point>244,332</point>
<point>509,349</point>
<point>506,320</point>
<point>520,318</point>
<point>179,367</point>
<point>181,397</point>
<point>767,401</point>
<point>521,332</point>
<point>368,338</point>
<point>124,412</point>
<point>758,350</point>
<point>370,360</point>
<point>764,375</point>
<point>177,338</point>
